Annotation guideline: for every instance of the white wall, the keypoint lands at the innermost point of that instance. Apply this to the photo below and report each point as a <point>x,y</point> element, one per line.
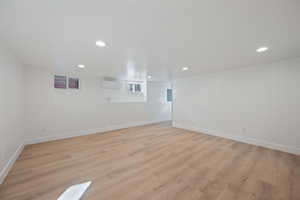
<point>11,111</point>
<point>259,105</point>
<point>57,113</point>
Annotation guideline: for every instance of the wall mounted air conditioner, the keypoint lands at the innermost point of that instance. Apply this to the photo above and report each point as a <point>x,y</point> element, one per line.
<point>111,83</point>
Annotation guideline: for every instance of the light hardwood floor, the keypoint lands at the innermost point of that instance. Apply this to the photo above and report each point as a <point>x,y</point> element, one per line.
<point>154,162</point>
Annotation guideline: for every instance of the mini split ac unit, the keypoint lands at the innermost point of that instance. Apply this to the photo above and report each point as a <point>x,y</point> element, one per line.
<point>111,83</point>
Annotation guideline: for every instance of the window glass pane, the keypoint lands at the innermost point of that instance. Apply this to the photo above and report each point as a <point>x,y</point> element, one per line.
<point>130,87</point>
<point>74,83</point>
<point>60,81</point>
<point>137,88</point>
<point>169,95</point>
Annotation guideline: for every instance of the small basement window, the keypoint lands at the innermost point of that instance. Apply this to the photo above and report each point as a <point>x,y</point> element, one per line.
<point>135,87</point>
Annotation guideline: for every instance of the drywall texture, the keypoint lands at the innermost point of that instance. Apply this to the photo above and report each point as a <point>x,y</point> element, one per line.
<point>11,110</point>
<point>57,113</point>
<point>259,105</point>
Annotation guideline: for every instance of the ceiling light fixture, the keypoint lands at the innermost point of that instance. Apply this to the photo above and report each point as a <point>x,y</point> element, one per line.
<point>262,49</point>
<point>100,43</point>
<point>185,68</point>
<point>149,77</point>
<point>81,66</point>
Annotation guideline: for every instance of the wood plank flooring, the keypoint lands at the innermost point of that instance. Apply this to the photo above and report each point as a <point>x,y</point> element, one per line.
<point>154,162</point>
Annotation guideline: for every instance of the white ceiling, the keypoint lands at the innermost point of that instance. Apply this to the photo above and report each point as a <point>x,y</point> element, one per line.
<point>157,37</point>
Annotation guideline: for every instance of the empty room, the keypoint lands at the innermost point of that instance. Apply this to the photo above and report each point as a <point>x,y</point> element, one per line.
<point>149,100</point>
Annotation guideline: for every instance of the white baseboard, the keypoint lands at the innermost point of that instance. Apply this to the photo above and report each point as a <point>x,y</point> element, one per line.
<point>90,131</point>
<point>10,163</point>
<point>15,156</point>
<point>270,145</point>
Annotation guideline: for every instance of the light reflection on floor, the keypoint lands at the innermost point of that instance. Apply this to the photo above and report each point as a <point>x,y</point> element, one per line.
<point>75,192</point>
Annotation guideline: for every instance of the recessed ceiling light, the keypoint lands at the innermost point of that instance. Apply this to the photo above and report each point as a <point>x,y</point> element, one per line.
<point>262,49</point>
<point>185,68</point>
<point>81,66</point>
<point>100,43</point>
<point>149,77</point>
